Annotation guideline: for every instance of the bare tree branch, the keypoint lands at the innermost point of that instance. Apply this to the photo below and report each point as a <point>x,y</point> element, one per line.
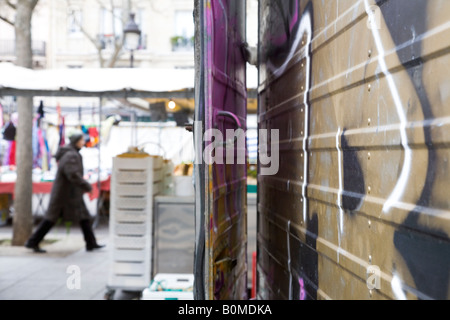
<point>118,39</point>
<point>111,10</point>
<point>94,41</point>
<point>33,3</point>
<point>7,21</point>
<point>118,45</point>
<point>113,19</point>
<point>12,5</point>
<point>84,31</point>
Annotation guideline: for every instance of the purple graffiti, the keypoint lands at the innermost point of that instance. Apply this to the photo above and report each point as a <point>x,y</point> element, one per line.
<point>302,289</point>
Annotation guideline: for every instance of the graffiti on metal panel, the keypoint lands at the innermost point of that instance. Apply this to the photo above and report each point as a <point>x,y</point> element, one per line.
<point>226,263</point>
<point>428,258</point>
<point>406,167</point>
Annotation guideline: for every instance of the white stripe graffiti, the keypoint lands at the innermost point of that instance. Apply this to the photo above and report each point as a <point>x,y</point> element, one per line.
<point>396,285</point>
<point>402,182</point>
<point>304,28</point>
<point>341,188</point>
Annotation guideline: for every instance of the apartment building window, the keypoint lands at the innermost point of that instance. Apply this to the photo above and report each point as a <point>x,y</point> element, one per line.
<point>111,26</point>
<point>111,21</point>
<point>75,20</point>
<point>183,39</point>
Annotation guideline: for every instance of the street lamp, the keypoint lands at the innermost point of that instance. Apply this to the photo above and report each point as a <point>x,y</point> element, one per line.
<point>132,35</point>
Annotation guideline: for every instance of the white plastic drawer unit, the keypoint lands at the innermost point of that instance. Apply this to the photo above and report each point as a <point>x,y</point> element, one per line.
<point>134,182</point>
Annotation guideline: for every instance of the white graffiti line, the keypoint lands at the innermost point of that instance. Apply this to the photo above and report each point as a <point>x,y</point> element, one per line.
<point>396,286</point>
<point>288,241</point>
<point>341,188</point>
<point>402,182</point>
<point>306,27</point>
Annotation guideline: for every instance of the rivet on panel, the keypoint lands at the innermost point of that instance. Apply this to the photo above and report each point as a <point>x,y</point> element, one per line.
<point>368,156</point>
<point>302,65</point>
<point>370,224</point>
<point>370,259</point>
<point>371,293</point>
<point>369,189</point>
<point>369,87</point>
<point>302,88</point>
<point>301,133</point>
<point>301,110</point>
<point>369,53</point>
<point>369,121</point>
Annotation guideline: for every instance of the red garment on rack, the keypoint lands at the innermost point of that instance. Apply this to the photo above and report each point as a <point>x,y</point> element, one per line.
<point>12,154</point>
<point>93,137</point>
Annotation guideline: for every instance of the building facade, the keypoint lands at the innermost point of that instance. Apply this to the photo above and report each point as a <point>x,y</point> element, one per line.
<point>74,33</point>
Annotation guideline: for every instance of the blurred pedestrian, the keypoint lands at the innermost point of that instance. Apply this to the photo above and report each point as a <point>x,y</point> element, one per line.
<point>66,199</point>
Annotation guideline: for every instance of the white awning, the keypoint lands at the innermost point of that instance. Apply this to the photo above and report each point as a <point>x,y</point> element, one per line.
<point>120,82</point>
<point>105,82</point>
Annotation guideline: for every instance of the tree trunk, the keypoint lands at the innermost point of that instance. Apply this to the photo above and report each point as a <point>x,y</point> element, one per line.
<point>23,218</point>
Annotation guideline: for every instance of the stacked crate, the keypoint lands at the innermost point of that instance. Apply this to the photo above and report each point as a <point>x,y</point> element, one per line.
<point>167,180</point>
<point>134,183</point>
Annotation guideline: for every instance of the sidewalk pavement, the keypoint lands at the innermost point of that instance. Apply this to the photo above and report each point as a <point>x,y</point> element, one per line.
<point>25,275</point>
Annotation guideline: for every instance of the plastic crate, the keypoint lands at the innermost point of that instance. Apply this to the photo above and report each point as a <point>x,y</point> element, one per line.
<point>132,243</point>
<point>131,189</point>
<point>129,255</point>
<point>167,286</point>
<point>130,229</point>
<point>124,216</point>
<point>127,176</point>
<point>123,203</point>
<point>133,186</point>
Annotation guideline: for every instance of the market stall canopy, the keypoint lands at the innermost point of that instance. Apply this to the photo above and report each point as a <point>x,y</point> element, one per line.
<point>101,82</point>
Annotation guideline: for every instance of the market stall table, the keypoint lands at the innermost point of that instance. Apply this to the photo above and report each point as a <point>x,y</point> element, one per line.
<point>45,187</point>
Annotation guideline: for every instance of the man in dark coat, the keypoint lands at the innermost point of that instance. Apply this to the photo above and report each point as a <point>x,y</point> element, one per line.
<point>66,199</point>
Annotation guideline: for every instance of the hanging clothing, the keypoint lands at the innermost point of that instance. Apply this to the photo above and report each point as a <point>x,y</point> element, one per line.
<point>85,129</point>
<point>40,114</point>
<point>12,154</point>
<point>48,153</point>
<point>40,111</point>
<point>7,152</point>
<point>42,151</point>
<point>106,127</point>
<point>1,116</point>
<point>62,132</point>
<point>35,144</point>
<point>9,133</point>
<point>93,137</point>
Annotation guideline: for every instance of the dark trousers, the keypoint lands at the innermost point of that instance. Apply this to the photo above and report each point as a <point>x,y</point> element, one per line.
<point>88,233</point>
<point>46,225</point>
